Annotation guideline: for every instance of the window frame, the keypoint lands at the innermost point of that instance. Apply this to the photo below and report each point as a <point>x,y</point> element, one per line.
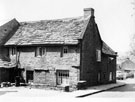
<point>98,55</point>
<point>40,51</point>
<point>12,51</point>
<point>63,52</point>
<point>65,49</point>
<point>61,75</point>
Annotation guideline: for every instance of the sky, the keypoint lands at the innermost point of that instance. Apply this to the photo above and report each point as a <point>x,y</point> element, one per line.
<point>115,18</point>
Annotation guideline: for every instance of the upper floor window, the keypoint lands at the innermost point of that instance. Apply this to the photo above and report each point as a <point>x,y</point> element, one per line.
<point>40,51</point>
<point>98,55</point>
<point>65,49</point>
<point>12,51</point>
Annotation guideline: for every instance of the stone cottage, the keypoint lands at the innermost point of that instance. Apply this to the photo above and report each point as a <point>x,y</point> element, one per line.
<point>62,51</point>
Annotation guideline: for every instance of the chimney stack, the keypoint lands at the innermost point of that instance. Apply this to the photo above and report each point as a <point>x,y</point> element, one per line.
<point>88,12</point>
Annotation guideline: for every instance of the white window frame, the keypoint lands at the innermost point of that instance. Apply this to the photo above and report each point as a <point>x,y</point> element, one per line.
<point>12,51</point>
<point>39,53</point>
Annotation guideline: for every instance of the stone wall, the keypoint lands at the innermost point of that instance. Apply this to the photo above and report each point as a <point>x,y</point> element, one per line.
<point>93,71</point>
<point>108,65</point>
<point>90,43</point>
<point>45,66</point>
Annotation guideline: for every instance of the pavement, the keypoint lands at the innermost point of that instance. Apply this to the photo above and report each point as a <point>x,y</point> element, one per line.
<point>31,92</point>
<point>97,89</point>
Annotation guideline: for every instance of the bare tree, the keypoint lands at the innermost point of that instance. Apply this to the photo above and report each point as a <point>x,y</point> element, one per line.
<point>132,43</point>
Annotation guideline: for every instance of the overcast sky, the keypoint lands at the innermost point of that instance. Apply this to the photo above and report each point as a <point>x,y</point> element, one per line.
<point>114,17</point>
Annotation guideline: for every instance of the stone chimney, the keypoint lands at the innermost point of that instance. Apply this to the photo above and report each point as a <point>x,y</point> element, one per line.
<point>88,12</point>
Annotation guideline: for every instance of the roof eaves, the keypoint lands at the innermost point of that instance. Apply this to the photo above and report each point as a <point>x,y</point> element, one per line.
<point>107,50</point>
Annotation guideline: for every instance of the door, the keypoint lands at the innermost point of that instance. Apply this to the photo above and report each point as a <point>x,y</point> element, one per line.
<point>29,76</point>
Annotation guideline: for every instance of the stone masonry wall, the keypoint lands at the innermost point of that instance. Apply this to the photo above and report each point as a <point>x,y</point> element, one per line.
<point>108,66</point>
<point>51,61</point>
<point>90,43</point>
<point>92,71</point>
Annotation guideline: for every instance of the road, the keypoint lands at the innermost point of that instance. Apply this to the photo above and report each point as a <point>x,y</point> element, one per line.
<point>121,94</point>
<point>2,93</point>
<point>127,91</point>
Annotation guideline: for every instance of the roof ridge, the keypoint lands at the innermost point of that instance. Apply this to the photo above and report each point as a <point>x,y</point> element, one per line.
<point>68,18</point>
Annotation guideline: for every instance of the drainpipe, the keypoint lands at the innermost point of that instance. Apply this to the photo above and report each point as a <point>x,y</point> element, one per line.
<point>16,60</point>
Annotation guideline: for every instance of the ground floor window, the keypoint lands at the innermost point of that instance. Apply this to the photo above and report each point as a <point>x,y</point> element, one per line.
<point>62,77</point>
<point>110,76</point>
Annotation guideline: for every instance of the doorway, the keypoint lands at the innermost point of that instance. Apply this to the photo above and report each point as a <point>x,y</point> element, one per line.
<point>29,76</point>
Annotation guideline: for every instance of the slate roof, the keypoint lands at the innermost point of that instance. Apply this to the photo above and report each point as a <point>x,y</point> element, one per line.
<point>60,31</point>
<point>107,50</point>
<point>6,29</point>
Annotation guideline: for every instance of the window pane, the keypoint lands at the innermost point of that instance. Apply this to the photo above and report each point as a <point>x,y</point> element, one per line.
<point>44,51</point>
<point>38,51</point>
<point>65,49</point>
<point>13,51</point>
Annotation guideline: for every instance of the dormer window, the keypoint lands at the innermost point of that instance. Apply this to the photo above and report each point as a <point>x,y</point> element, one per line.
<point>40,51</point>
<point>65,49</point>
<point>12,51</point>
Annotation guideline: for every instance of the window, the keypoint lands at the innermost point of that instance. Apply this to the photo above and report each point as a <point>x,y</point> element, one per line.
<point>110,77</point>
<point>62,77</point>
<point>12,51</point>
<point>63,73</point>
<point>98,55</point>
<point>65,49</point>
<point>40,51</point>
